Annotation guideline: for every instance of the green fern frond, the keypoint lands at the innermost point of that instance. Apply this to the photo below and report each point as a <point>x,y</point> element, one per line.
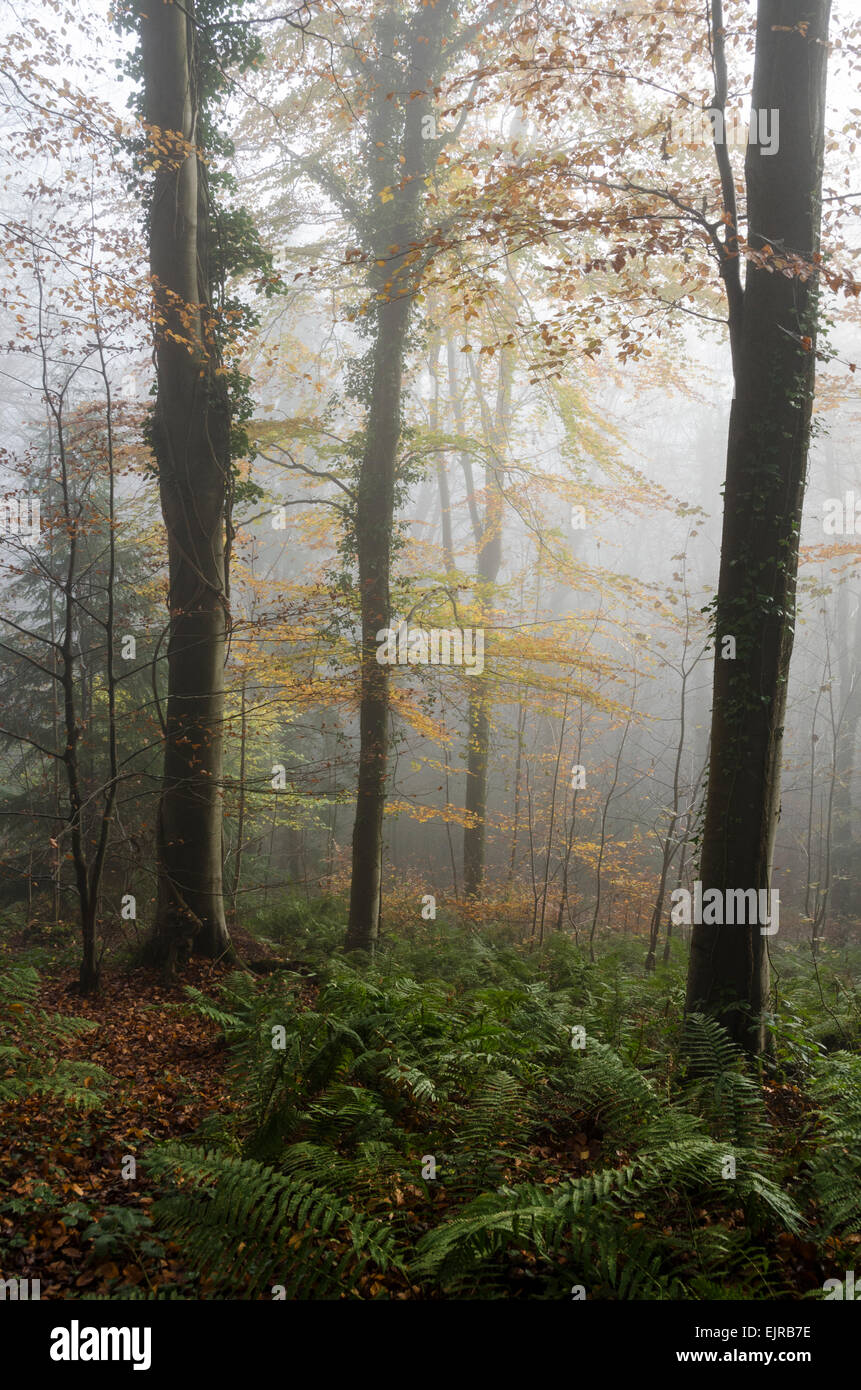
<point>32,1065</point>
<point>203,1006</point>
<point>249,1228</point>
<point>730,1101</point>
<point>834,1173</point>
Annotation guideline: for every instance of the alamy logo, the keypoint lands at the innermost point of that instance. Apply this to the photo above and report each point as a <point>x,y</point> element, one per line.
<point>78,1343</point>
<point>16,1289</point>
<point>846,1289</point>
<point>842,515</point>
<point>436,646</point>
<point>20,518</point>
<point>714,126</point>
<point>734,907</point>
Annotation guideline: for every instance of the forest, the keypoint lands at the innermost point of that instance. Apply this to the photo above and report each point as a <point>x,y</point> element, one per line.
<point>430,652</point>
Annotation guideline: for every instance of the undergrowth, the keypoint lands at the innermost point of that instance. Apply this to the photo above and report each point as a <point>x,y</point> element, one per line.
<point>464,1118</point>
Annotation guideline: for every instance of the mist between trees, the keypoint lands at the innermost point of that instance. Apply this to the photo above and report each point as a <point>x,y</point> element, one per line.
<point>427,486</point>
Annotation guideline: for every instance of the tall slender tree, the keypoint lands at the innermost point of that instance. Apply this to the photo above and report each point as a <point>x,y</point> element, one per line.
<point>487,534</point>
<point>190,434</point>
<point>196,434</point>
<point>773,325</point>
<point>394,227</point>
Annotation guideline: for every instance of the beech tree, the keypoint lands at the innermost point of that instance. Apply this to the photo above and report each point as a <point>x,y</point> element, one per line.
<point>195,434</point>
<point>190,435</point>
<point>394,231</point>
<point>773,328</point>
<point>487,534</point>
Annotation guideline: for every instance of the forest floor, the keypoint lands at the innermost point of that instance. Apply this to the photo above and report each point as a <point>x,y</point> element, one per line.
<point>74,1216</point>
<point>61,1168</point>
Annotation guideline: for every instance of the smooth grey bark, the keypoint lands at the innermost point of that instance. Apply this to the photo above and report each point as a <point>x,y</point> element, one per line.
<point>190,436</point>
<point>773,334</point>
<point>488,542</point>
<point>394,221</point>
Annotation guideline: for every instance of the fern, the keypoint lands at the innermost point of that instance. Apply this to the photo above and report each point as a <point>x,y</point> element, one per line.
<point>604,1086</point>
<point>28,1062</point>
<point>493,1128</point>
<point>730,1101</point>
<point>231,1024</point>
<point>835,1170</point>
<point>676,1159</point>
<point>249,1228</point>
<point>467,1056</point>
<point>549,1220</point>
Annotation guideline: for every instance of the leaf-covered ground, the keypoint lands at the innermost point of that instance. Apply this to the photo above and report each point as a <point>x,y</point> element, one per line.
<point>457,1047</point>
<point>61,1167</point>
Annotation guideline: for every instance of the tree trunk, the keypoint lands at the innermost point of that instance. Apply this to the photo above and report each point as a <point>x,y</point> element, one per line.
<point>441,468</point>
<point>846,882</point>
<point>488,563</point>
<point>190,436</point>
<point>240,809</point>
<point>774,338</point>
<point>374,522</point>
<point>670,845</point>
<point>393,222</point>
